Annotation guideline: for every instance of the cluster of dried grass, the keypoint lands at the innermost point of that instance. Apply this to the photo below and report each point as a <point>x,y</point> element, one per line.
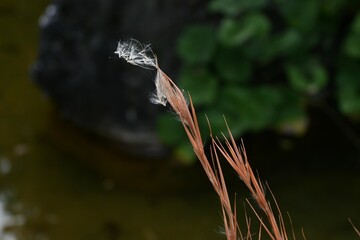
<point>235,157</point>
<point>167,92</point>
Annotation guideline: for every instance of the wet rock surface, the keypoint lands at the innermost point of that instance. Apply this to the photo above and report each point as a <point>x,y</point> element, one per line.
<point>77,69</point>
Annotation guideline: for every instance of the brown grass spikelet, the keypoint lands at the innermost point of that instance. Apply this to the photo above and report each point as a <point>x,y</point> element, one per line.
<point>167,92</point>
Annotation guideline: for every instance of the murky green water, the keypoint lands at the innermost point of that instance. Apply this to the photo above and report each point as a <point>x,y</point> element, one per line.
<point>57,182</point>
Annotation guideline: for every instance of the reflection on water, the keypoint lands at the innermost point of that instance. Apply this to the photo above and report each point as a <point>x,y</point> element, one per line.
<point>5,166</point>
<point>5,217</point>
<point>5,220</point>
<point>50,192</point>
<point>9,221</point>
<point>56,197</point>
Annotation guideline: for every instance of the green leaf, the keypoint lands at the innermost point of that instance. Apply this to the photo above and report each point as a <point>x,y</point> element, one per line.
<point>254,109</point>
<point>233,7</point>
<point>287,44</point>
<point>310,78</point>
<point>255,49</point>
<point>280,45</point>
<point>289,41</point>
<point>333,8</point>
<point>232,66</point>
<point>291,116</point>
<point>170,130</point>
<point>201,85</point>
<point>352,43</point>
<point>236,32</point>
<point>197,44</point>
<point>184,153</point>
<point>216,115</point>
<point>301,15</point>
<point>216,120</point>
<point>348,81</point>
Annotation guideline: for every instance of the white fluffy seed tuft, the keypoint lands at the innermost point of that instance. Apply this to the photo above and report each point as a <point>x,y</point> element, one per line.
<point>137,54</point>
<point>141,55</point>
<point>159,96</point>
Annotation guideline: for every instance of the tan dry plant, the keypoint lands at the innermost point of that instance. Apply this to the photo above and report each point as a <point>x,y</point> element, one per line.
<point>167,92</point>
<point>355,229</point>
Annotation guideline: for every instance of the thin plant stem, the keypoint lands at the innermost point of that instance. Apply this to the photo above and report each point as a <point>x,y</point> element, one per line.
<point>167,92</point>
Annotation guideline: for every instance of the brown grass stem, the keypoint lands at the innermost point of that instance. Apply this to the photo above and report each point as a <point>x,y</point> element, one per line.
<point>168,92</point>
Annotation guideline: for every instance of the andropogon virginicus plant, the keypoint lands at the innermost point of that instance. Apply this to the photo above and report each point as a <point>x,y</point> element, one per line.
<point>167,92</point>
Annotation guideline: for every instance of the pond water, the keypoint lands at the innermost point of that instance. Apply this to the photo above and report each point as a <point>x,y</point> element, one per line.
<point>57,182</point>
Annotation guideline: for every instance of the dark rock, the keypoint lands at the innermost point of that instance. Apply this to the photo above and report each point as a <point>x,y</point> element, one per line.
<point>89,85</point>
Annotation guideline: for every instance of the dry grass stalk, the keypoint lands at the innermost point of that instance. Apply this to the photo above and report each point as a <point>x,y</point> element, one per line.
<point>167,92</point>
<point>355,229</point>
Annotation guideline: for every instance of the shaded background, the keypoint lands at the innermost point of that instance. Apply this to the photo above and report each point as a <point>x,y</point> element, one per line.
<point>59,181</point>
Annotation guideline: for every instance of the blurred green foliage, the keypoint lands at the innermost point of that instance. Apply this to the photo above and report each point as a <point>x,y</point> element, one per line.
<point>261,63</point>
